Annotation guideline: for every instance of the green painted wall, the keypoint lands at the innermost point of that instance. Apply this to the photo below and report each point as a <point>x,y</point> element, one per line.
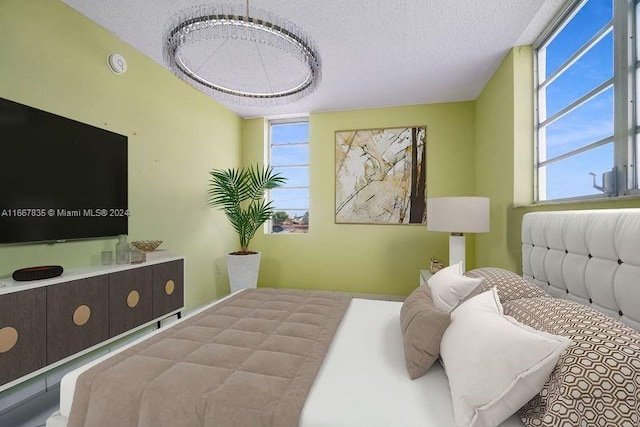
<point>494,161</point>
<point>523,140</point>
<point>382,259</point>
<point>504,154</point>
<point>55,59</point>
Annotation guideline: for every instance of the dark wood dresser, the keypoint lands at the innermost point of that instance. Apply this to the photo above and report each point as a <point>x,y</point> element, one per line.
<point>46,323</point>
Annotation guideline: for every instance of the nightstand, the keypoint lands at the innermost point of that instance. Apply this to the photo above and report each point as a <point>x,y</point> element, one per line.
<point>424,276</point>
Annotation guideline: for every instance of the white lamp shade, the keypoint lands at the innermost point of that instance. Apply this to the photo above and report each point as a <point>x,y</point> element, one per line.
<point>458,214</point>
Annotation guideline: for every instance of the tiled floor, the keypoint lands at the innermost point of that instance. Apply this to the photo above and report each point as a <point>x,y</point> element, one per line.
<point>34,412</point>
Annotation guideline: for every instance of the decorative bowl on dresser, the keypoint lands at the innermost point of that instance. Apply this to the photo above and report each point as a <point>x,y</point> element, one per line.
<point>146,245</point>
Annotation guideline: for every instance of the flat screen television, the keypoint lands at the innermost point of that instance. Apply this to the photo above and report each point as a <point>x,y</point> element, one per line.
<point>59,179</point>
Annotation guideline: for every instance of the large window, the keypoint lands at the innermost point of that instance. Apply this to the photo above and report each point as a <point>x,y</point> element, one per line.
<point>289,156</point>
<point>636,137</point>
<point>585,112</point>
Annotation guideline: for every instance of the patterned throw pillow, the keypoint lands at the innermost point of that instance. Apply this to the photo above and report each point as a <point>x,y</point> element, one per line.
<point>597,380</point>
<point>510,286</point>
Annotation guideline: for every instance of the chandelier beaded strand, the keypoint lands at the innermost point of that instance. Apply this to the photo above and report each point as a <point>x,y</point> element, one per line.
<point>235,57</point>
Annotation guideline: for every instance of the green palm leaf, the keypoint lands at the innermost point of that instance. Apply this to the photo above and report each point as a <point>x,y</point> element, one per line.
<point>240,194</point>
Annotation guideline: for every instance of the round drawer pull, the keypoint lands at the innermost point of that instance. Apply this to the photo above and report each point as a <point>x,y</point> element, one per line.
<point>8,338</point>
<point>133,299</point>
<point>81,315</point>
<point>169,287</point>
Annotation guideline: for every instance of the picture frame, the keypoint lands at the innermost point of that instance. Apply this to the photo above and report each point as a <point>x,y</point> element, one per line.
<point>381,175</point>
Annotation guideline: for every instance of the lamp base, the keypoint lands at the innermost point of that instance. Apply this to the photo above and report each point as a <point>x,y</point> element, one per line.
<point>457,250</point>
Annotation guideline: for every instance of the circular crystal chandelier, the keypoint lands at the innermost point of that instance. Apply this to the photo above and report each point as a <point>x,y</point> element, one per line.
<point>235,57</point>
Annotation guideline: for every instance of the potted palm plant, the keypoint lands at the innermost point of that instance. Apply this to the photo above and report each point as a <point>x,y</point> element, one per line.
<point>240,194</point>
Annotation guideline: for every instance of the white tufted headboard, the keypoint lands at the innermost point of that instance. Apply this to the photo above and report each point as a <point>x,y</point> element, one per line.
<point>590,256</point>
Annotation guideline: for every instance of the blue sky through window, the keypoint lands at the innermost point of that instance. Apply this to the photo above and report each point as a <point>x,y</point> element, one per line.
<point>569,175</point>
<point>584,25</point>
<point>296,177</point>
<point>587,123</point>
<point>590,122</point>
<point>587,73</point>
<point>290,133</point>
<point>290,157</point>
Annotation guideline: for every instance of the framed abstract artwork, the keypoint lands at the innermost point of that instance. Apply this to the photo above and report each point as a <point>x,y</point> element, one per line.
<point>381,176</point>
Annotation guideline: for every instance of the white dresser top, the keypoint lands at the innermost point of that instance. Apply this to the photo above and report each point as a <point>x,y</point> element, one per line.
<point>8,285</point>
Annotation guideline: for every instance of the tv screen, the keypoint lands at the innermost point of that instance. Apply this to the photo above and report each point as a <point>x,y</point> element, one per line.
<point>59,179</point>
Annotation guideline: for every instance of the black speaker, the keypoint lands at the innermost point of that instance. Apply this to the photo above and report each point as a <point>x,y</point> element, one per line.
<point>37,273</point>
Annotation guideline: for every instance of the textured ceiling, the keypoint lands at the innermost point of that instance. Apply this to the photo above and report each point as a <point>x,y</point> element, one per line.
<point>374,53</point>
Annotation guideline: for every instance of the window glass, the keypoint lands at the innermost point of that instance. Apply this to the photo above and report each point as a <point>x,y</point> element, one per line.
<point>583,99</point>
<point>590,71</point>
<point>290,198</point>
<point>296,177</point>
<point>290,133</point>
<point>572,177</point>
<point>289,156</point>
<point>635,150</point>
<point>590,122</point>
<point>591,18</point>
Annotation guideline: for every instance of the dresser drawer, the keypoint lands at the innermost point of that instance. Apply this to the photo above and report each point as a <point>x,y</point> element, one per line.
<point>77,316</point>
<point>130,299</point>
<point>168,287</point>
<point>23,333</point>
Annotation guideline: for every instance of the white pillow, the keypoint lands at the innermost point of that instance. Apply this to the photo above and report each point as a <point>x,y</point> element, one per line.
<point>494,363</point>
<point>452,269</point>
<point>449,287</point>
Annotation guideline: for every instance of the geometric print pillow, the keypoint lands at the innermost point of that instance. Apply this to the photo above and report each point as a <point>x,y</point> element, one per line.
<point>596,381</point>
<point>510,286</point>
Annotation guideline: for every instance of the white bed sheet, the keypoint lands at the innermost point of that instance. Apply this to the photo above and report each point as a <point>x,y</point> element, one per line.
<point>362,382</point>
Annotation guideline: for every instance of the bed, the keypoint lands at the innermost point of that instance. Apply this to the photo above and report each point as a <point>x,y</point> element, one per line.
<point>363,380</point>
<point>589,258</point>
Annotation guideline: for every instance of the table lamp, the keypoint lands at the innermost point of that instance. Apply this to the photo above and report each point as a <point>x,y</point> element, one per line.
<point>458,215</point>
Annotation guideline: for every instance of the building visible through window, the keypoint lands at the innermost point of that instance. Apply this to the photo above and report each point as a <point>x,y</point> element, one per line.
<point>289,156</point>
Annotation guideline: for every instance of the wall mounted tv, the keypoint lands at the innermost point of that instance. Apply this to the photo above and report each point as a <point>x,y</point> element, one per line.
<point>59,179</point>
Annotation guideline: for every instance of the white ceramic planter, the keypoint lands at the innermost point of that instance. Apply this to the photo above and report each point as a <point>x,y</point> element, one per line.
<point>243,271</point>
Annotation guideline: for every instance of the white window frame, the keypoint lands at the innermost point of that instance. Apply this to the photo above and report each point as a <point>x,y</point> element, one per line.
<point>267,159</point>
<point>623,82</point>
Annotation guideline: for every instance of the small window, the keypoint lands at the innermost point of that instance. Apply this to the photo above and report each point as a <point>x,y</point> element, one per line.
<point>289,156</point>
<point>582,147</point>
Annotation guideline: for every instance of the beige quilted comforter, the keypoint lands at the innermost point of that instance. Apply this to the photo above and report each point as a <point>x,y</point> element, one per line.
<point>249,361</point>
